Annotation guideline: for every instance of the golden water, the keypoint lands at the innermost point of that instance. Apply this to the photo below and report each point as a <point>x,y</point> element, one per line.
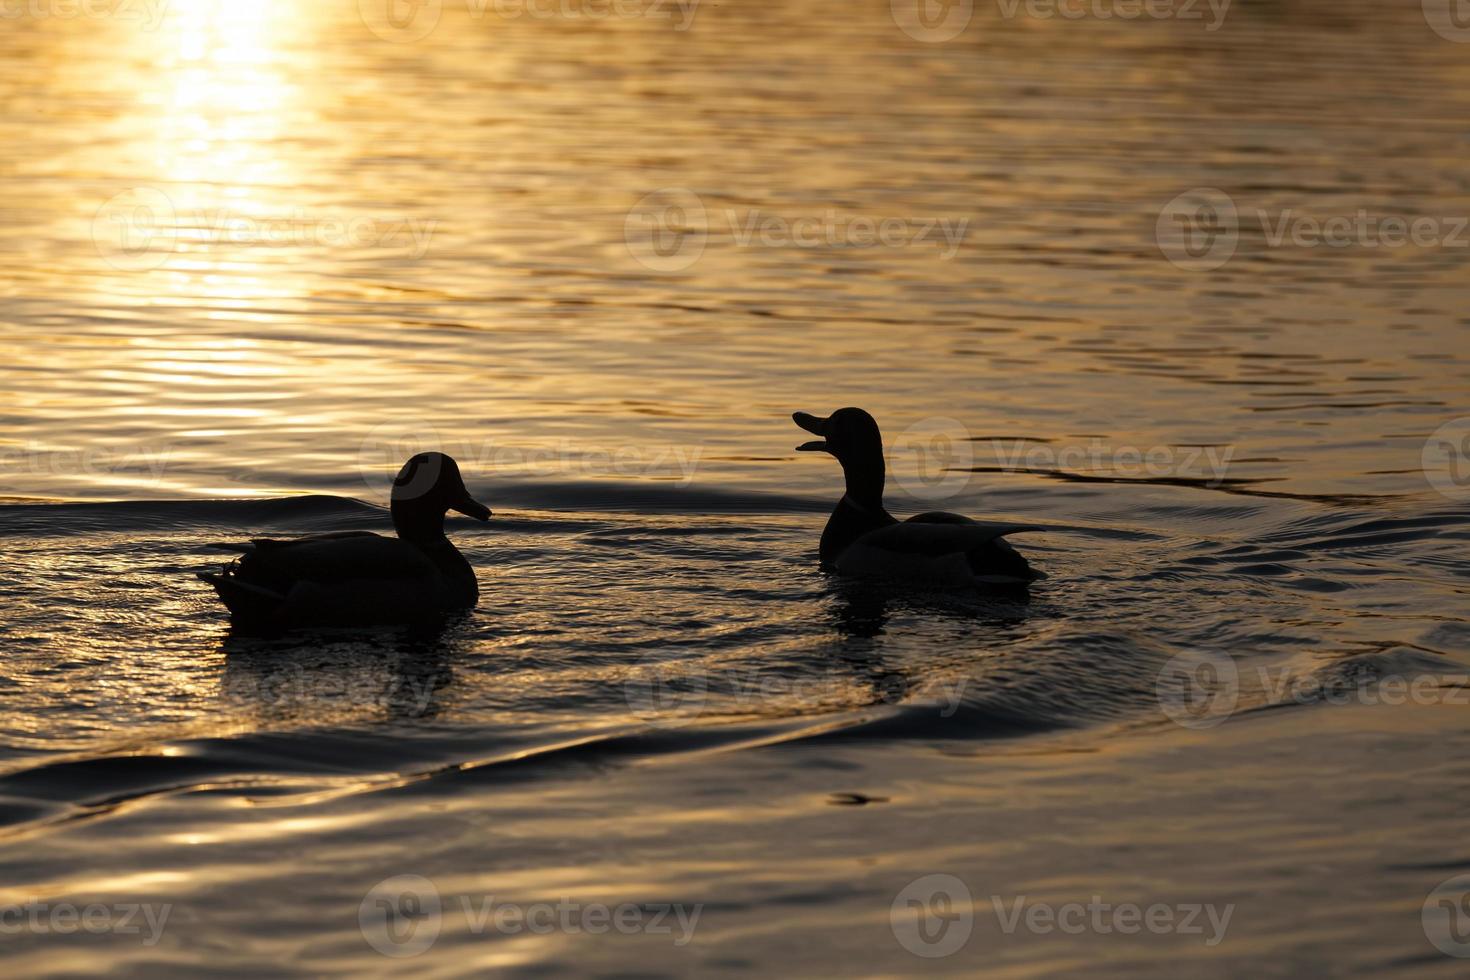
<point>271,248</point>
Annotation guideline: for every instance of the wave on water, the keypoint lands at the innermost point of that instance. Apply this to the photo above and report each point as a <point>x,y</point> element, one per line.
<point>309,512</point>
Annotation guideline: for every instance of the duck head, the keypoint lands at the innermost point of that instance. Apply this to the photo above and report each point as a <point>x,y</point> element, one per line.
<point>851,435</point>
<point>428,486</point>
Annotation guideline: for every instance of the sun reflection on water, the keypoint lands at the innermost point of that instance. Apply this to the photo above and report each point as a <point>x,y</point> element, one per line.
<point>203,170</point>
<point>218,109</point>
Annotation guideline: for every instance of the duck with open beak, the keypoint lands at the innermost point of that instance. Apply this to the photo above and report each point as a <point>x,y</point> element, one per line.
<point>817,427</point>
<point>862,538</point>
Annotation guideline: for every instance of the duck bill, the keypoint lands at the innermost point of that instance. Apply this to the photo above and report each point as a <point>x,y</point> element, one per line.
<point>814,425</point>
<point>470,507</point>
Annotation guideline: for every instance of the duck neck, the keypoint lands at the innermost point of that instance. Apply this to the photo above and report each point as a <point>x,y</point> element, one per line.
<point>423,527</point>
<point>865,483</point>
<point>418,525</point>
<point>859,511</point>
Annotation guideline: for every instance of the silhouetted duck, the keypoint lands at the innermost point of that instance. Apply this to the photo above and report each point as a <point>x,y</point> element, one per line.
<point>861,538</point>
<point>354,578</point>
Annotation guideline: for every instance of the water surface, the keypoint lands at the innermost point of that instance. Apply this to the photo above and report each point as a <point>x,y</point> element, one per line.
<point>258,254</point>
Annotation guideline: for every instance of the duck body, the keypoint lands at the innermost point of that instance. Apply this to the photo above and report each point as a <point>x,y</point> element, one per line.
<point>358,578</point>
<point>862,539</point>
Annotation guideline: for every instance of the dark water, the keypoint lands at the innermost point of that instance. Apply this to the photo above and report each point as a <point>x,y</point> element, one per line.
<point>1253,472</point>
<point>615,647</point>
<point>601,622</point>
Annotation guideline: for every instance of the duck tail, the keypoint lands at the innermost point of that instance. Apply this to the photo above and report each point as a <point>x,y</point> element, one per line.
<point>997,563</point>
<point>245,601</point>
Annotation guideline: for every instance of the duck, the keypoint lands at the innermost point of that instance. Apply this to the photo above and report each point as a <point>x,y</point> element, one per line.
<point>360,578</point>
<point>937,548</point>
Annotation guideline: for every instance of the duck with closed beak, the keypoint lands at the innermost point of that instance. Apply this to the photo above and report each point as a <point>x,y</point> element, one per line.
<point>862,538</point>
<point>358,578</point>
